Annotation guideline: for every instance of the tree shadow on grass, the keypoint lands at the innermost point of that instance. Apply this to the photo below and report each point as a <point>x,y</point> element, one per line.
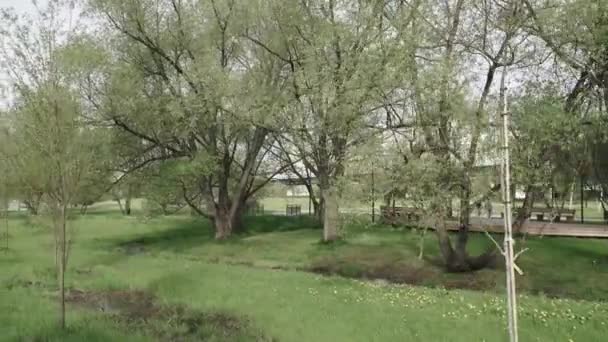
<point>188,234</point>
<point>573,249</point>
<point>269,223</point>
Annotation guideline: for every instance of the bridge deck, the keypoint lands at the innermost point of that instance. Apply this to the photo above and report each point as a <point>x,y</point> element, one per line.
<point>495,225</point>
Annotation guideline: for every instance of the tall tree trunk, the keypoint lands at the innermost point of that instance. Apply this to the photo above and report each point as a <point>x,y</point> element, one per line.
<point>128,204</point>
<point>62,260</point>
<point>456,258</point>
<point>331,214</point>
<point>465,222</point>
<point>524,212</point>
<point>226,224</point>
<point>222,223</point>
<point>238,218</point>
<point>319,209</point>
<point>122,210</point>
<point>6,224</point>
<point>445,247</point>
<point>228,215</point>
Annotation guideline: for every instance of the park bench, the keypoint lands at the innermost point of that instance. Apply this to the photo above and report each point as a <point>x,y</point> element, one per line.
<point>293,210</point>
<point>541,212</point>
<point>399,214</point>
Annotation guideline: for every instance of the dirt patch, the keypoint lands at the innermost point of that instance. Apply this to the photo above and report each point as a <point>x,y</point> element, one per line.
<point>139,310</point>
<point>402,273</point>
<point>133,247</point>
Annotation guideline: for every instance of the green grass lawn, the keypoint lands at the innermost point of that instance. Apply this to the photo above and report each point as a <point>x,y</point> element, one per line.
<point>261,287</point>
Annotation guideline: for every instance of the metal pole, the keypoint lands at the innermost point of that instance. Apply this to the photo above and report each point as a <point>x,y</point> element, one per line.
<point>508,241</point>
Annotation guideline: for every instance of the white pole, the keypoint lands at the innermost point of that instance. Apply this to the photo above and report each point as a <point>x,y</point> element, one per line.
<point>508,241</point>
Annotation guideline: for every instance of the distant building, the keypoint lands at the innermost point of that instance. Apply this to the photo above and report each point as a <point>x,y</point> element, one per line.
<point>297,191</point>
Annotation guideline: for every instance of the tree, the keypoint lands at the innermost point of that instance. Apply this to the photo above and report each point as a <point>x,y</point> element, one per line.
<point>337,59</point>
<point>547,149</point>
<point>53,135</point>
<point>446,106</point>
<point>599,163</point>
<point>581,50</point>
<point>49,134</point>
<point>176,86</point>
<point>5,188</point>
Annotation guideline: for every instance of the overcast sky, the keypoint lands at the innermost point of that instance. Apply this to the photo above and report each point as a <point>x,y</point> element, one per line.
<point>20,5</point>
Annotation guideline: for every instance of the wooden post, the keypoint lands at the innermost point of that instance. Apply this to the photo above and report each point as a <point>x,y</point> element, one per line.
<point>508,239</point>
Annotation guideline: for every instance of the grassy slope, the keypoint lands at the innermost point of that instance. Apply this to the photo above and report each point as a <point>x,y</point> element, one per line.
<point>180,264</point>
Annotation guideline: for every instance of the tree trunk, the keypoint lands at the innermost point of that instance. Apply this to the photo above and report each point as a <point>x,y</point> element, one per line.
<point>331,214</point>
<point>122,210</point>
<point>32,206</point>
<point>238,224</point>
<point>460,261</point>
<point>228,219</point>
<point>62,260</point>
<point>457,259</point>
<point>6,225</point>
<point>319,209</point>
<point>128,205</point>
<point>465,222</point>
<point>524,212</point>
<point>222,223</point>
<point>450,209</point>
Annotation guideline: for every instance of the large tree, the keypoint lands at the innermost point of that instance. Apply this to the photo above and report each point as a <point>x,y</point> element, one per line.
<point>187,86</point>
<point>445,117</point>
<point>337,57</point>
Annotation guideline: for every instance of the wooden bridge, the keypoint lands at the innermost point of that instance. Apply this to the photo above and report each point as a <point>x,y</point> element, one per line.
<point>411,216</point>
<point>541,228</point>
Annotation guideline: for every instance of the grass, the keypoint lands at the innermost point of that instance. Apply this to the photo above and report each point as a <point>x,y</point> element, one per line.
<point>260,279</point>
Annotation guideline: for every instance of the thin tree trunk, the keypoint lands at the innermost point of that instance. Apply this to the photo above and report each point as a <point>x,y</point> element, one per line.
<point>465,222</point>
<point>238,218</point>
<point>128,205</point>
<point>571,195</point>
<point>524,212</point>
<point>445,245</point>
<point>421,243</point>
<point>6,225</point>
<point>122,210</point>
<point>32,206</point>
<point>62,263</point>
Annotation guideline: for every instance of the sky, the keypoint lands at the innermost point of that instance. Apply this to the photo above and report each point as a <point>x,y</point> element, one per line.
<point>20,5</point>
